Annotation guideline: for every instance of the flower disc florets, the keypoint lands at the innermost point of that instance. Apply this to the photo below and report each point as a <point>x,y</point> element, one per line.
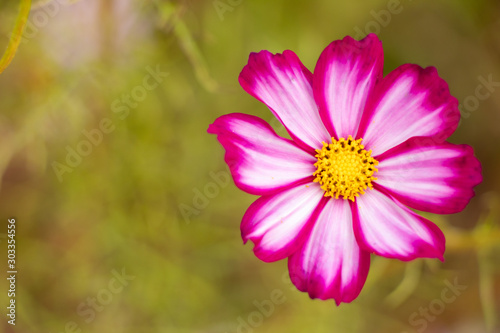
<point>344,168</point>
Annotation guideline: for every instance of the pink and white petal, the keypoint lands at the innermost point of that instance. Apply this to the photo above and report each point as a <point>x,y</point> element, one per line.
<point>330,263</point>
<point>278,224</point>
<point>260,161</point>
<point>428,176</point>
<point>410,101</point>
<point>344,77</point>
<point>283,83</point>
<point>387,228</point>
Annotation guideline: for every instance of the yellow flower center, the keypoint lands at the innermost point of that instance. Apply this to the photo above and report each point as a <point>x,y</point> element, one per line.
<point>344,168</point>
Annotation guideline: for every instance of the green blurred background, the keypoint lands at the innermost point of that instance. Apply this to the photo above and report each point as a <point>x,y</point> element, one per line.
<point>151,198</point>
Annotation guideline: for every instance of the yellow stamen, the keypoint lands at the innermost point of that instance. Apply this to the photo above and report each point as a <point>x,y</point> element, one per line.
<point>344,168</point>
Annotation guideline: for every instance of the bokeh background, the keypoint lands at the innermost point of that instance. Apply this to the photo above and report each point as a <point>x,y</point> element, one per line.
<point>150,197</point>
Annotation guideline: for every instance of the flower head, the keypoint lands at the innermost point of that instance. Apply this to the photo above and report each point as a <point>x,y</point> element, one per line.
<point>364,149</point>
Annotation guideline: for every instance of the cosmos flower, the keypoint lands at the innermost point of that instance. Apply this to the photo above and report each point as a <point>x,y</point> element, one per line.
<point>363,150</point>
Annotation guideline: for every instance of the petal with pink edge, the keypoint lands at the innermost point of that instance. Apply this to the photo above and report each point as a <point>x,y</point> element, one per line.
<point>259,160</point>
<point>283,83</point>
<point>387,228</point>
<point>344,77</point>
<point>278,224</point>
<point>428,176</point>
<point>330,263</point>
<point>410,101</point>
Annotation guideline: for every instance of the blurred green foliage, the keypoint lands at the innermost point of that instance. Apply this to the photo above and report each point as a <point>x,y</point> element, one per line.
<point>120,206</point>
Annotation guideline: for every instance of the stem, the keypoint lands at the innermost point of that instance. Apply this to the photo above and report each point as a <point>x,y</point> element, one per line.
<point>16,35</point>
